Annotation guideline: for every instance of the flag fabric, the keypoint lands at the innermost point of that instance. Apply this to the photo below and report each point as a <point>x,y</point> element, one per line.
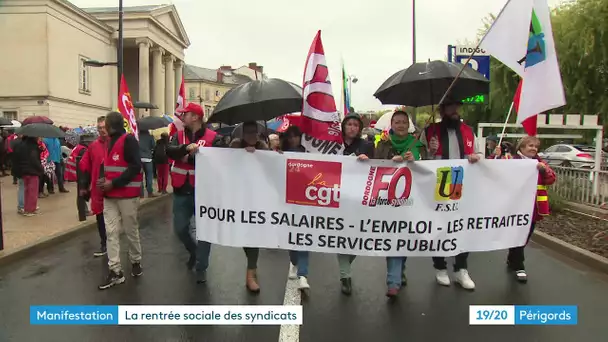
<point>320,119</point>
<point>521,37</point>
<point>125,106</point>
<point>542,87</point>
<point>177,124</point>
<point>530,124</point>
<point>345,92</point>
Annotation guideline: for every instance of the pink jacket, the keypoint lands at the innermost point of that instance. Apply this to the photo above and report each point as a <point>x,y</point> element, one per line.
<point>91,162</point>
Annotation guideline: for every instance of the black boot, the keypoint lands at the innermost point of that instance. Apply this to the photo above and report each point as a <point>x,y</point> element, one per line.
<point>347,286</point>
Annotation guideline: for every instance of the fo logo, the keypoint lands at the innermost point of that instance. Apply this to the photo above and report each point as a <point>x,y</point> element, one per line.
<point>449,183</point>
<point>312,182</point>
<point>388,186</point>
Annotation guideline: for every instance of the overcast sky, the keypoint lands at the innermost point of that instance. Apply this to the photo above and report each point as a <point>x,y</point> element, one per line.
<point>374,37</point>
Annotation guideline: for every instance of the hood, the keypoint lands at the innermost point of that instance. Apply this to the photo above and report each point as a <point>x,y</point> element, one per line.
<point>349,117</point>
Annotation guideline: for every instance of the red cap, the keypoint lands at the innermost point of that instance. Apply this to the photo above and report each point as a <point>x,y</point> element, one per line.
<point>192,108</point>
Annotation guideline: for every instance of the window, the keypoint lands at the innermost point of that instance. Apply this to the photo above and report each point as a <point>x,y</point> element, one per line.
<point>563,148</point>
<point>191,94</point>
<point>551,149</point>
<point>10,114</point>
<point>207,95</point>
<point>84,81</point>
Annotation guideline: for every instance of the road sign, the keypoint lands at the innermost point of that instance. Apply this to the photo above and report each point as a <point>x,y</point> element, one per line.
<point>479,63</point>
<point>467,50</point>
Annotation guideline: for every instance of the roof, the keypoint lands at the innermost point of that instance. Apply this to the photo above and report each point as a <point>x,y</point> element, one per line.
<point>194,73</point>
<point>148,8</point>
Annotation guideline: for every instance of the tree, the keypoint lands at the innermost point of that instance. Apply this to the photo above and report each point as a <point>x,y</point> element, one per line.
<point>579,30</point>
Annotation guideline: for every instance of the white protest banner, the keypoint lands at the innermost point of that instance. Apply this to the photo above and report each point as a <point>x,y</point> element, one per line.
<point>336,204</point>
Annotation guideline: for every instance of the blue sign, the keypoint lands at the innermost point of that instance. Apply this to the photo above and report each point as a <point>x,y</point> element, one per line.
<point>479,63</point>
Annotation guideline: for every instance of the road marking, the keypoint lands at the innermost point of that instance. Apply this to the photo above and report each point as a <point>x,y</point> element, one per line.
<point>291,333</point>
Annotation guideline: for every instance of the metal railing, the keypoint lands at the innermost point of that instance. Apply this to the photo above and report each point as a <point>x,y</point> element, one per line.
<point>580,185</point>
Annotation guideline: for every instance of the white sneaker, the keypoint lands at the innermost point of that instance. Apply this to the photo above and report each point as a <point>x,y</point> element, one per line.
<point>442,277</point>
<point>293,271</point>
<point>521,276</point>
<point>303,283</point>
<point>462,277</point>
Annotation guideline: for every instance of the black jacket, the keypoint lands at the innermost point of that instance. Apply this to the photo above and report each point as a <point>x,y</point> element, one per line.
<point>26,159</point>
<point>176,151</point>
<point>359,146</point>
<point>160,152</point>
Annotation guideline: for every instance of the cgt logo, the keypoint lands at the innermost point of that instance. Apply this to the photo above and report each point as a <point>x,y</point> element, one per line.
<point>449,187</point>
<point>382,190</point>
<point>314,183</point>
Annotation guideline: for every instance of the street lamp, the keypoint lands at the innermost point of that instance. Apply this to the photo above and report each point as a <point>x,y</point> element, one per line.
<point>351,79</point>
<point>119,49</point>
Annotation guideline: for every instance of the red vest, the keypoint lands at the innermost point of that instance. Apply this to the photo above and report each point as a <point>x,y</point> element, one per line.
<point>542,199</point>
<point>9,140</point>
<point>70,166</point>
<point>181,170</point>
<point>115,165</point>
<point>468,138</point>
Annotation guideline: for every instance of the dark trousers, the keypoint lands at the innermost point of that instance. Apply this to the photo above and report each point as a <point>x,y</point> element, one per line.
<point>101,228</point>
<point>45,179</point>
<point>516,258</point>
<point>59,174</point>
<point>252,257</point>
<point>460,262</point>
<point>183,210</point>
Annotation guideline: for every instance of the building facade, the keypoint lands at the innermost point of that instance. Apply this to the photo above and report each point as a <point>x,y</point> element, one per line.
<point>46,43</point>
<point>207,86</point>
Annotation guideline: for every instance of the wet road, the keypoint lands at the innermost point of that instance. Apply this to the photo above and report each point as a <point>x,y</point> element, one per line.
<point>68,274</point>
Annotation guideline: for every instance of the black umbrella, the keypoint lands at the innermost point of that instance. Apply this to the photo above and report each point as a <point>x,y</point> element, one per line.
<point>40,130</point>
<point>152,122</point>
<point>259,100</point>
<point>423,84</point>
<point>5,122</point>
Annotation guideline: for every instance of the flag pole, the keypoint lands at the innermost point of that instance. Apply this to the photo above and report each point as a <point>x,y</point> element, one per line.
<point>504,127</point>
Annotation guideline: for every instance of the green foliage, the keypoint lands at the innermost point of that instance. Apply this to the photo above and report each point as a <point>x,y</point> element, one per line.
<point>580,31</point>
<point>556,202</point>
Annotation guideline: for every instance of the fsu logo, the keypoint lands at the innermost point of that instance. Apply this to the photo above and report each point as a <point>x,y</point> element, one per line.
<point>313,183</point>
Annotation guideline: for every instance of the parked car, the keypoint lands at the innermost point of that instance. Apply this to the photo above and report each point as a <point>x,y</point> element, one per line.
<point>577,156</point>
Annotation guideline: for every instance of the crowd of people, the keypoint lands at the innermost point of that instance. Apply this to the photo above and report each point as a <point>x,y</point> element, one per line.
<point>114,170</point>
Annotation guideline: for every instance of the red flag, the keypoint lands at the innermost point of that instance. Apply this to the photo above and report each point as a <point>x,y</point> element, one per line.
<point>320,118</point>
<point>125,106</point>
<point>530,123</point>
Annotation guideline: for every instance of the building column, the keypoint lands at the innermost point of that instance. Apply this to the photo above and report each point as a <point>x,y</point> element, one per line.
<point>158,98</point>
<point>169,85</point>
<point>179,72</point>
<point>144,73</point>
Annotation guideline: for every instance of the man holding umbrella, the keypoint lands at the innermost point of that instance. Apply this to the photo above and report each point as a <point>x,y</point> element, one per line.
<point>451,139</point>
<point>182,149</point>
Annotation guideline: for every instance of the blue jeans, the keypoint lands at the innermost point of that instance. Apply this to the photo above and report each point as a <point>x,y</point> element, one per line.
<point>183,210</point>
<point>395,266</point>
<point>300,259</point>
<point>20,194</point>
<point>149,178</point>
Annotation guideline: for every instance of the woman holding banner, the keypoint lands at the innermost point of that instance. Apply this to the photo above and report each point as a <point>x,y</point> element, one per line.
<point>250,142</point>
<point>398,146</point>
<point>354,145</point>
<point>291,141</point>
<point>527,148</point>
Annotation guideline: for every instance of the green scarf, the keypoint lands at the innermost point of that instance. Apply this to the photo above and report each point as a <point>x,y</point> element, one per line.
<point>400,145</point>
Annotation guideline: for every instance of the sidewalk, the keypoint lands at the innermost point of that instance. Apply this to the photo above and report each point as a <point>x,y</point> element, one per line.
<point>58,214</point>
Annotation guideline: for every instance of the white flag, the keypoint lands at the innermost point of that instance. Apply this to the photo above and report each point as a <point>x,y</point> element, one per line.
<point>508,37</point>
<point>542,88</point>
<point>521,38</point>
